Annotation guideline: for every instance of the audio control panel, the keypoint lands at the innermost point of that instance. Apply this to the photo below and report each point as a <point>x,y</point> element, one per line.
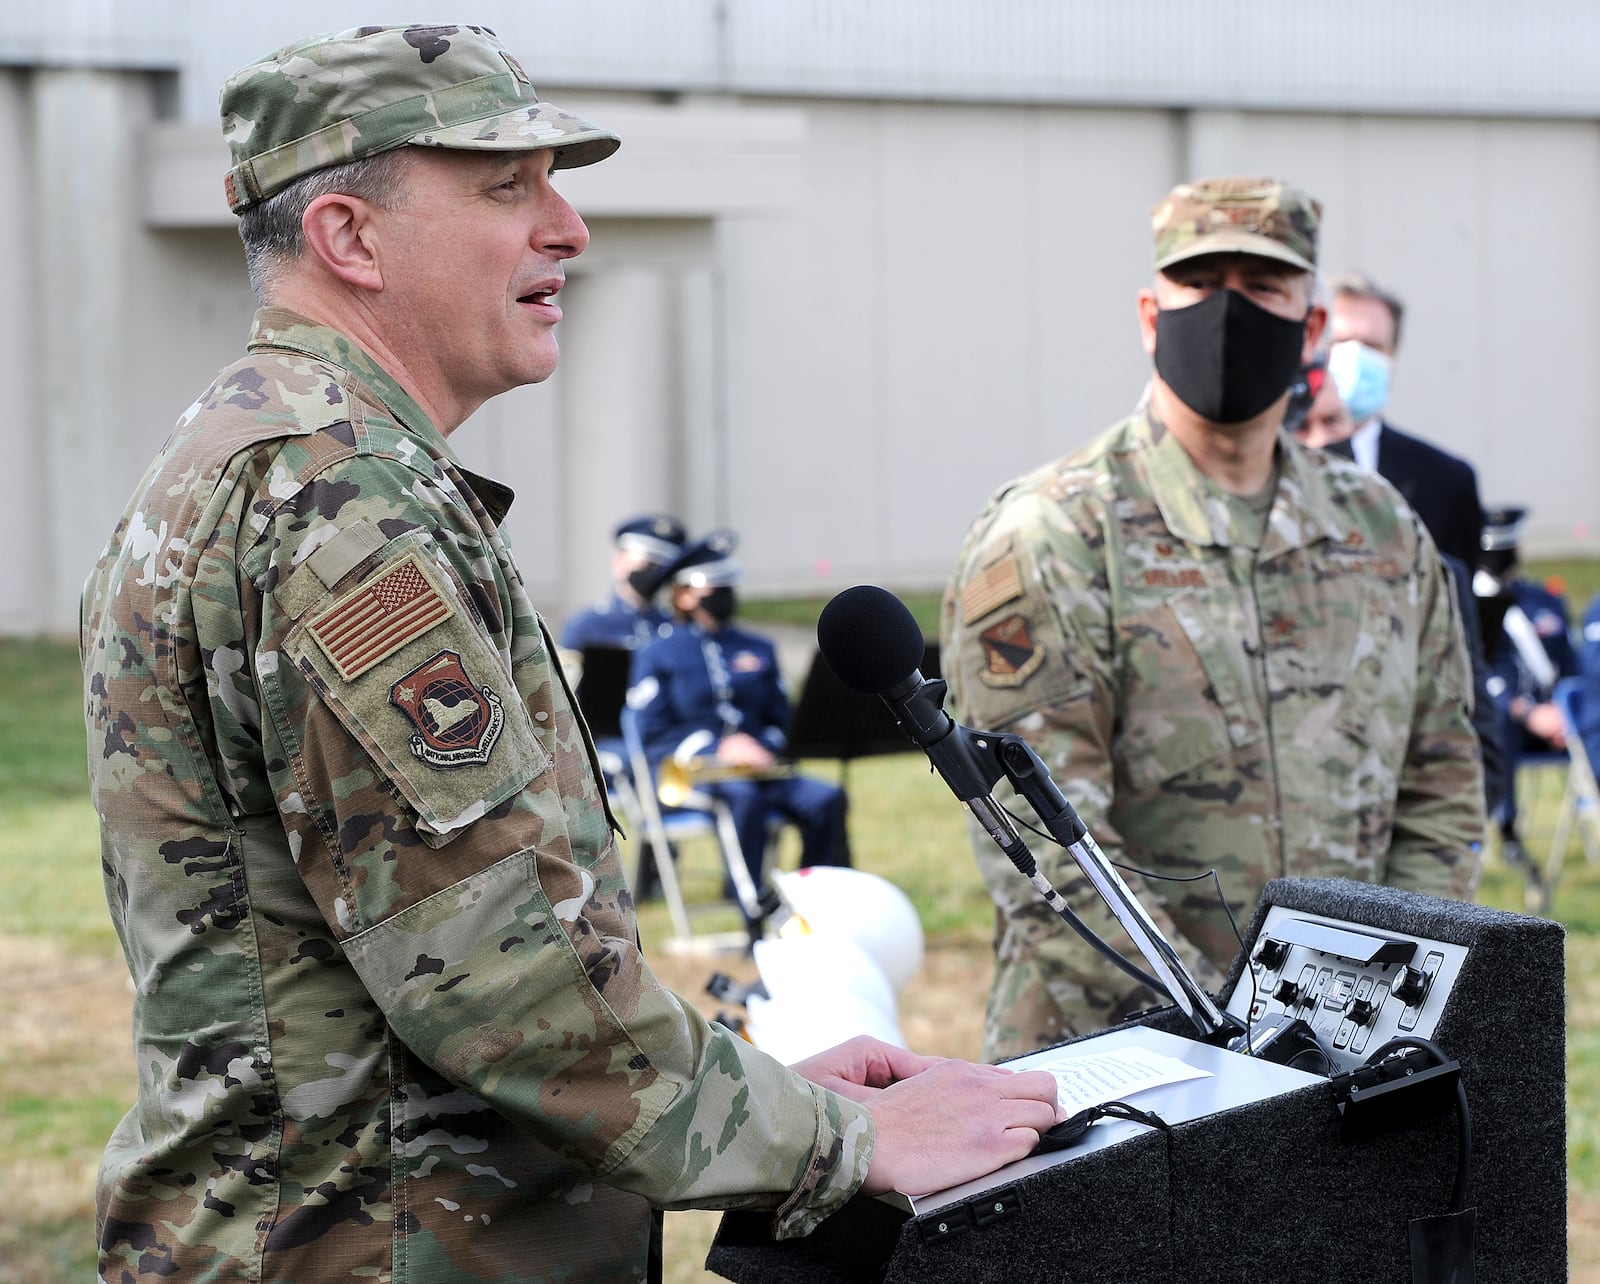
<point>1355,987</point>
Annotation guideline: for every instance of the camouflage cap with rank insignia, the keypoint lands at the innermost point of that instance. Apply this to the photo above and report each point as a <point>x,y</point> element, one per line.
<point>338,98</point>
<point>1258,216</point>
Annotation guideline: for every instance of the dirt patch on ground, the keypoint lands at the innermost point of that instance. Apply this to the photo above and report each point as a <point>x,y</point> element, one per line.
<point>65,1043</point>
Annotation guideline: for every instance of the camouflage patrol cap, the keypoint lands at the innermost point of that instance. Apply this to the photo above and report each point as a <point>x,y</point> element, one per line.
<point>337,98</point>
<point>1236,216</point>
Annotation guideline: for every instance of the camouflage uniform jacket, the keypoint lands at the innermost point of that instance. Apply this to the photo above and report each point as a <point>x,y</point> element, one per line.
<point>1297,710</point>
<point>391,1020</point>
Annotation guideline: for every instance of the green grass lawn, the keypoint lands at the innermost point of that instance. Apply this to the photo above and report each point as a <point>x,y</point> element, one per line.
<point>56,1114</point>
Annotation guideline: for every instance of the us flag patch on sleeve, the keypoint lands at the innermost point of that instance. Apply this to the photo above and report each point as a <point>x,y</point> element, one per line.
<point>369,624</point>
<point>991,589</point>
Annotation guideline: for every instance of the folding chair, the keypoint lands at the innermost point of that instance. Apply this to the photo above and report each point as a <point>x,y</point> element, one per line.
<point>1580,803</point>
<point>701,816</point>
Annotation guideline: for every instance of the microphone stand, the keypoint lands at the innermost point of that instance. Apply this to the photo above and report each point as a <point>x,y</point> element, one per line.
<point>971,762</point>
<point>1028,775</point>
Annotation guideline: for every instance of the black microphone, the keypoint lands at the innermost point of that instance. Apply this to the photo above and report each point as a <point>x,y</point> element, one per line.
<point>873,644</point>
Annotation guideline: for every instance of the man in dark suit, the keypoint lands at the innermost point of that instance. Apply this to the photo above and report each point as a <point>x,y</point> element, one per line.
<point>1321,419</point>
<point>1441,488</point>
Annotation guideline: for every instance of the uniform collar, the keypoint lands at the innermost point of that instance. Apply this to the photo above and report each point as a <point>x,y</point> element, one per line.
<point>280,330</point>
<point>1303,511</point>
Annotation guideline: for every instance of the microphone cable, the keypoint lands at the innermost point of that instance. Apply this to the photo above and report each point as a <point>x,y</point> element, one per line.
<point>1074,1128</point>
<point>1216,882</point>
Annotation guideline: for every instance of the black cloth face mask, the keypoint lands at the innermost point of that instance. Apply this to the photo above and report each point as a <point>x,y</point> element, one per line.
<point>720,604</point>
<point>645,581</point>
<point>1227,358</point>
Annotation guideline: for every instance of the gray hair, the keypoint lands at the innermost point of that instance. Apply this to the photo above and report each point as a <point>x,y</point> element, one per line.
<point>271,231</point>
<point>1357,285</point>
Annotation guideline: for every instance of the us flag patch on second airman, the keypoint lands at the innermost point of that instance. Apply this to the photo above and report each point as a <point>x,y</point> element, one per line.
<point>991,589</point>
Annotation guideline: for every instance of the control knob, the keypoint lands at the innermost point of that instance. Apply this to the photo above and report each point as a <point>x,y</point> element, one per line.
<point>1410,984</point>
<point>1271,953</point>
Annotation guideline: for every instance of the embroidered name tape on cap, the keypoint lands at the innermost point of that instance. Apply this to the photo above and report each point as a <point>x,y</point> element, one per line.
<point>369,624</point>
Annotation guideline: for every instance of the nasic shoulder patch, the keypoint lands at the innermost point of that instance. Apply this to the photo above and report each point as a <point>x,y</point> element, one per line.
<point>1011,655</point>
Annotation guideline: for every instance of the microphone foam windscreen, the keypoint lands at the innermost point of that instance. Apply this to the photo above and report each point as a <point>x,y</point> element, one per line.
<point>869,638</point>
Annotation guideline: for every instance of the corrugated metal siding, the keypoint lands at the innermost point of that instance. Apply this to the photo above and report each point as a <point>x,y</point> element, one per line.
<point>1467,57</point>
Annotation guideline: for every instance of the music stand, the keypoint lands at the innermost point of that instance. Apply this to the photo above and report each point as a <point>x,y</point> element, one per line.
<point>832,721</point>
<point>602,689</point>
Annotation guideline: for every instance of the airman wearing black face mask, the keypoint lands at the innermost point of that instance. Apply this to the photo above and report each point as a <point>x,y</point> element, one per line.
<point>711,692</point>
<point>1236,653</point>
<point>644,547</point>
<point>1229,321</point>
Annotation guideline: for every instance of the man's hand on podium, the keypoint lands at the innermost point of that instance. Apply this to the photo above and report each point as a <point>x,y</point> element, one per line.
<point>940,1122</point>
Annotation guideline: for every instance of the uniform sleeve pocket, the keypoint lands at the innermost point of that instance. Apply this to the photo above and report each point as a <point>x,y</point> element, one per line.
<point>1013,663</point>
<point>397,655</point>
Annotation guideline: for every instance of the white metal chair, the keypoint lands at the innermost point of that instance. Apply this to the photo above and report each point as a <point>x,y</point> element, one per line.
<point>662,828</point>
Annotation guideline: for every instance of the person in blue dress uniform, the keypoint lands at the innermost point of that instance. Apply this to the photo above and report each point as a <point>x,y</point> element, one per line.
<point>1529,648</point>
<point>644,547</point>
<point>712,691</point>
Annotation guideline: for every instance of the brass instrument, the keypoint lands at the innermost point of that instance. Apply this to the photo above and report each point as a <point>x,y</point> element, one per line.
<point>676,781</point>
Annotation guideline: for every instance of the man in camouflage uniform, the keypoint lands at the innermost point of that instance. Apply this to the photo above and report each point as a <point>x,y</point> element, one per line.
<point>1233,653</point>
<point>391,1020</point>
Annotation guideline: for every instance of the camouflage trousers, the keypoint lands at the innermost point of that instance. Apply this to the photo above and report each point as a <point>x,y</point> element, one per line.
<point>1050,986</point>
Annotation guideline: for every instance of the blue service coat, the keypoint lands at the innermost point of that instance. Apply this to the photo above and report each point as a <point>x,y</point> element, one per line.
<point>683,706</point>
<point>1509,675</point>
<point>1589,673</point>
<point>615,623</point>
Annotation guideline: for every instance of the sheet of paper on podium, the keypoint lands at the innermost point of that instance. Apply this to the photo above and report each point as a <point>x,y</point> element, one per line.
<point>1173,1077</point>
<point>1085,1079</point>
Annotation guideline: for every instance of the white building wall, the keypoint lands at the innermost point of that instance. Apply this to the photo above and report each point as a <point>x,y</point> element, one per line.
<point>947,309</point>
<point>25,565</point>
<point>1479,57</point>
<point>875,308</point>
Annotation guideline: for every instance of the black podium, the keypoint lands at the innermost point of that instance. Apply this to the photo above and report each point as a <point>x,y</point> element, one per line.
<point>1273,1190</point>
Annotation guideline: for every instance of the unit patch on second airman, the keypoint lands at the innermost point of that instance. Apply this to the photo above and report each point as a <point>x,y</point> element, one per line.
<point>1011,656</point>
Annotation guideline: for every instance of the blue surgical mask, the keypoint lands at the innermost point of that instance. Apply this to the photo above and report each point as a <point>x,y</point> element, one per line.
<point>1361,374</point>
